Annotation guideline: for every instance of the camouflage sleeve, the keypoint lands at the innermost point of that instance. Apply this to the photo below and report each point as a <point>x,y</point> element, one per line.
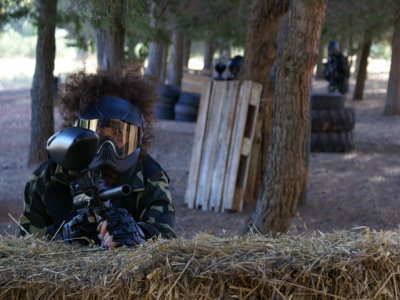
<point>157,211</point>
<point>35,218</point>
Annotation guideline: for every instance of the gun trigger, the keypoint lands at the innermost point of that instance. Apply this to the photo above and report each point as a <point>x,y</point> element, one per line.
<point>107,204</point>
<point>98,218</point>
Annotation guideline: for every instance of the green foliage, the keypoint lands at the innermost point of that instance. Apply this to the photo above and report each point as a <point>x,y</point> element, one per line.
<point>381,50</point>
<point>81,17</point>
<point>13,9</point>
<point>100,13</point>
<point>23,26</point>
<point>348,20</point>
<point>79,32</point>
<point>223,21</point>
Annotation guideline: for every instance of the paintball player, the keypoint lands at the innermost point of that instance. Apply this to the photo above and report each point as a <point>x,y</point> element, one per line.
<point>116,106</point>
<point>234,66</point>
<point>336,69</point>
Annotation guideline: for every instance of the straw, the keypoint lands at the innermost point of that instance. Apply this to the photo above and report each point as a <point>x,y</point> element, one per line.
<point>339,265</point>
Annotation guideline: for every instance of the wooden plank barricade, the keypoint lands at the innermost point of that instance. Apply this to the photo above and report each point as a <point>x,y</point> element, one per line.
<point>223,140</point>
<point>194,83</point>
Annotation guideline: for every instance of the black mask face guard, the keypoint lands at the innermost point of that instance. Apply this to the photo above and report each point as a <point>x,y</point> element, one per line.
<point>119,126</point>
<point>106,158</point>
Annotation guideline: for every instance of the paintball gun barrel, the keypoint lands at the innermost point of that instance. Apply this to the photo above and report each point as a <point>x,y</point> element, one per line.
<point>115,192</point>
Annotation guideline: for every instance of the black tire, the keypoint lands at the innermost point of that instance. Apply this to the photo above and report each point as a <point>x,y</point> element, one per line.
<point>169,93</point>
<point>332,141</point>
<point>185,109</point>
<point>334,120</point>
<point>185,118</point>
<point>164,111</point>
<point>327,101</point>
<point>185,112</point>
<point>169,101</point>
<point>187,98</point>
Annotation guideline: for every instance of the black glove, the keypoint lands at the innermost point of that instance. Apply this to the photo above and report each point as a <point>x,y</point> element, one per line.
<point>122,227</point>
<point>80,230</point>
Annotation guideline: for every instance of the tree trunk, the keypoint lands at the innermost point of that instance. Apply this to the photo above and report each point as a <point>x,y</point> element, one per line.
<point>362,67</point>
<point>175,65</point>
<point>260,54</point>
<point>225,54</point>
<point>261,43</point>
<point>164,60</point>
<point>186,52</point>
<point>155,60</point>
<point>208,54</point>
<point>100,35</point>
<point>110,44</point>
<point>352,50</point>
<point>392,104</point>
<point>110,48</point>
<point>156,50</point>
<point>286,172</point>
<point>319,74</point>
<point>42,122</point>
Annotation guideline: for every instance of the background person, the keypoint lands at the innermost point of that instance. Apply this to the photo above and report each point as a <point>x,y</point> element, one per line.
<point>336,69</point>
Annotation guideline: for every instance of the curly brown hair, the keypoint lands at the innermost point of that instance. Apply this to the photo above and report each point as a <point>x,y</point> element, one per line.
<point>82,89</point>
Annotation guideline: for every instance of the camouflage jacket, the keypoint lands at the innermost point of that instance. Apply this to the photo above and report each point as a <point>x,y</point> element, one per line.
<point>48,204</point>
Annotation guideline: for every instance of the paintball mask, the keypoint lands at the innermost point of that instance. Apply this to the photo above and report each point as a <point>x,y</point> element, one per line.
<point>333,46</point>
<point>119,125</point>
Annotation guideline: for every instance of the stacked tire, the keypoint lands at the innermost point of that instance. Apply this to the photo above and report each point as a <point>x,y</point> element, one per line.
<point>187,107</point>
<point>165,103</point>
<point>332,124</point>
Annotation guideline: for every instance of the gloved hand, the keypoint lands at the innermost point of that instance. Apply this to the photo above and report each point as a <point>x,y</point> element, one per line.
<point>82,229</point>
<point>119,229</point>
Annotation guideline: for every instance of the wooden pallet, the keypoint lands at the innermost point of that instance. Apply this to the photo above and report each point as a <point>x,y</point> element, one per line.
<point>222,147</point>
<point>202,72</point>
<point>194,83</point>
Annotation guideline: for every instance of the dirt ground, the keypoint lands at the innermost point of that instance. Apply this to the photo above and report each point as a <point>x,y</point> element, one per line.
<point>359,188</point>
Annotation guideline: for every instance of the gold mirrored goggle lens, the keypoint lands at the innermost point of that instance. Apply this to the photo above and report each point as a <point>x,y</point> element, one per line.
<point>124,137</point>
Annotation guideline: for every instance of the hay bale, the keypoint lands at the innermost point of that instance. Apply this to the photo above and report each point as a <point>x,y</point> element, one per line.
<point>340,265</point>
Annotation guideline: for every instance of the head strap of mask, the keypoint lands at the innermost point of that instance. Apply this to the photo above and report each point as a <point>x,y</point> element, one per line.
<point>112,107</point>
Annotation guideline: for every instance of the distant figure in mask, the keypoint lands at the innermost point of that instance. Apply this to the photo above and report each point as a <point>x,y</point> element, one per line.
<point>117,106</point>
<point>336,69</point>
<point>234,66</point>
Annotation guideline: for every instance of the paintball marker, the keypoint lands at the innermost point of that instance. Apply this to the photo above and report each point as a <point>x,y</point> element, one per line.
<point>73,148</point>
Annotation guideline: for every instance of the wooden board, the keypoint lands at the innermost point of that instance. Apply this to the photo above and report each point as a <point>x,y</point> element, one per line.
<point>227,119</point>
<point>254,167</point>
<point>194,83</point>
<point>206,73</point>
<point>209,146</point>
<point>191,189</point>
<point>236,146</point>
<point>223,145</point>
<point>244,163</point>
